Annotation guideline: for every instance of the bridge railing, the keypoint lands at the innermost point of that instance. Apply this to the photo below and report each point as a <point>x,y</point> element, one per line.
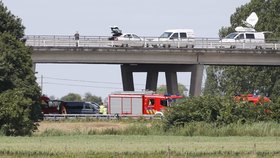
<point>103,41</point>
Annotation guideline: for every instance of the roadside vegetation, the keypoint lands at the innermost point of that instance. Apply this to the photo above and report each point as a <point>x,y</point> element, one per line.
<point>154,127</point>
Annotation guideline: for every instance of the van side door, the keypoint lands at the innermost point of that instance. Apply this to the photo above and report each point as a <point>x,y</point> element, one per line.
<point>240,38</point>
<point>174,36</point>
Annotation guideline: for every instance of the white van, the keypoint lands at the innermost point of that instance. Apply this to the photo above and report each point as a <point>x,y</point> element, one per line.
<point>244,38</point>
<point>175,38</point>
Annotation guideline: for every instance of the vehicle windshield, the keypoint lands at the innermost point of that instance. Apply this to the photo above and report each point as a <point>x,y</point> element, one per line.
<point>231,36</point>
<point>166,35</point>
<point>164,102</point>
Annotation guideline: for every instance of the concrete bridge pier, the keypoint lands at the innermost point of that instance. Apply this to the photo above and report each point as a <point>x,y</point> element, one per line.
<point>127,78</point>
<point>196,79</point>
<point>171,82</point>
<point>170,74</point>
<point>151,81</point>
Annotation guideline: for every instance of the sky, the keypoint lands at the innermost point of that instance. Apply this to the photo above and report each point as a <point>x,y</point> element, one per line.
<point>94,18</point>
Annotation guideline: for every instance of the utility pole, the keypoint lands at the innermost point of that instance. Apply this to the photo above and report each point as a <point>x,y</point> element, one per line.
<point>41,84</point>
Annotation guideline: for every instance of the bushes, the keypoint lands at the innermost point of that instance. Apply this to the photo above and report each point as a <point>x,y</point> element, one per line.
<point>220,110</point>
<point>15,114</point>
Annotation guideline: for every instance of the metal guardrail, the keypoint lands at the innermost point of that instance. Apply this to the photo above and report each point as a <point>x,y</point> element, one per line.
<point>97,116</point>
<point>103,41</point>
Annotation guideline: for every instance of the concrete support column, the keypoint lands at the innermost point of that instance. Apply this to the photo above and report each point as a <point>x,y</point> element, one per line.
<point>127,78</point>
<point>151,81</point>
<point>196,79</point>
<point>171,82</point>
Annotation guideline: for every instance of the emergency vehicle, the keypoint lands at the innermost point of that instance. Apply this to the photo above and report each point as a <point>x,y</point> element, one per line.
<point>139,103</point>
<point>252,98</point>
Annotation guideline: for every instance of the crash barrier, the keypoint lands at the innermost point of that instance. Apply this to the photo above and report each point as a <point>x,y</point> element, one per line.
<point>98,116</point>
<point>151,42</point>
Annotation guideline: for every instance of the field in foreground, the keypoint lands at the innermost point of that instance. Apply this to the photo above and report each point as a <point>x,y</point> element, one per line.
<point>139,146</point>
<point>144,138</point>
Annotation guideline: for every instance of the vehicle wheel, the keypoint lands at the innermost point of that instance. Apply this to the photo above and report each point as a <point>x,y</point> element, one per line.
<point>169,46</point>
<point>63,110</point>
<point>192,46</point>
<point>187,46</point>
<point>164,46</point>
<point>258,47</point>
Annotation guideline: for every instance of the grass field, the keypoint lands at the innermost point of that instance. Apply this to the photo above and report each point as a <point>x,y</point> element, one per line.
<point>139,146</point>
<point>77,139</point>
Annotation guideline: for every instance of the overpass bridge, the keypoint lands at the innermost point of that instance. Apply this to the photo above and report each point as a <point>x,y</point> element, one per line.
<point>150,60</point>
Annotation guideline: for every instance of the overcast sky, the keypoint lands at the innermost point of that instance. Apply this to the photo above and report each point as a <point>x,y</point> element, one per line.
<point>92,17</point>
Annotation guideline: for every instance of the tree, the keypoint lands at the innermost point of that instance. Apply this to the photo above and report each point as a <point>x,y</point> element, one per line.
<point>19,92</point>
<point>72,97</point>
<point>268,12</point>
<point>92,98</point>
<point>246,79</point>
<point>15,113</point>
<point>163,89</point>
<point>10,23</point>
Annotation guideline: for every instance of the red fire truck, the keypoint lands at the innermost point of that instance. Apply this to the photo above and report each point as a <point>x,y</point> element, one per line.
<point>252,98</point>
<point>139,103</point>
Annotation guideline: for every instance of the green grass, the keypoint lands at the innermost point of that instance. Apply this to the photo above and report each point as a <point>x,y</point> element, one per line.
<point>142,138</point>
<point>138,146</point>
<point>261,129</point>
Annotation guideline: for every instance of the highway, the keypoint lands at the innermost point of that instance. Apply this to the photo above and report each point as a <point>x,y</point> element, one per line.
<point>103,41</point>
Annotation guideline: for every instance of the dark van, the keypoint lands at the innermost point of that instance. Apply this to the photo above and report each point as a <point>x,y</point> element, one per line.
<point>81,107</point>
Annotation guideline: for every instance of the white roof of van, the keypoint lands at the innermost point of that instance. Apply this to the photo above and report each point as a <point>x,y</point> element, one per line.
<point>179,30</point>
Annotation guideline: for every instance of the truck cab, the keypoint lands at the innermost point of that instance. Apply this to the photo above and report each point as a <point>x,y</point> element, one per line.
<point>156,104</point>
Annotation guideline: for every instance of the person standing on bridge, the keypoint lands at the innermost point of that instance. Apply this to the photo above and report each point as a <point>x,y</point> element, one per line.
<point>77,38</point>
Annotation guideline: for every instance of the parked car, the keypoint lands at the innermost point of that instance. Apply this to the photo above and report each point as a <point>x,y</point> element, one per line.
<point>120,39</point>
<point>116,32</point>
